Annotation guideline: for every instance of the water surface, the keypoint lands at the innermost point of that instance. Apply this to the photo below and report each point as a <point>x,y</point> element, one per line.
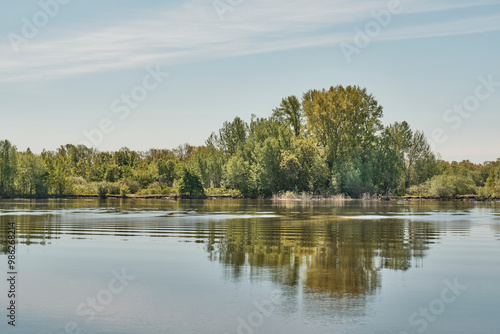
<point>248,266</point>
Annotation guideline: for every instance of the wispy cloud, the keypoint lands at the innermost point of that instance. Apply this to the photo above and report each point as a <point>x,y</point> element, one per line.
<point>193,33</point>
<point>476,25</point>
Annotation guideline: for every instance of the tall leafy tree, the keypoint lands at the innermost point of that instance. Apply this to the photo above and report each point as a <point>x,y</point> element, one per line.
<point>344,121</point>
<point>166,171</point>
<point>59,168</point>
<point>8,167</point>
<point>32,175</point>
<point>231,138</point>
<point>420,160</point>
<point>314,175</point>
<point>290,112</point>
<point>390,172</point>
<point>190,185</point>
<point>239,175</point>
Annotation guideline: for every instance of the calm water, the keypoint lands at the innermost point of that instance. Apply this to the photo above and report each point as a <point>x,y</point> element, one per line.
<point>158,266</point>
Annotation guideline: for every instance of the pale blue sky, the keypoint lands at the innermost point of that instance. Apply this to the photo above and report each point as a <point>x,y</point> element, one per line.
<point>65,78</point>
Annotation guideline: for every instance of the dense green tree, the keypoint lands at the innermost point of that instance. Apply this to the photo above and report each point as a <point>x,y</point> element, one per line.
<point>314,175</point>
<point>8,167</point>
<point>448,186</point>
<point>112,173</point>
<point>389,159</point>
<point>344,121</point>
<point>493,182</point>
<point>238,175</point>
<point>268,139</point>
<point>125,157</point>
<point>59,170</point>
<point>268,157</point>
<point>290,112</point>
<point>32,175</point>
<point>290,168</point>
<point>166,171</point>
<point>145,173</point>
<point>420,161</point>
<point>184,151</point>
<point>231,138</point>
<point>209,163</point>
<point>190,185</point>
<point>332,142</point>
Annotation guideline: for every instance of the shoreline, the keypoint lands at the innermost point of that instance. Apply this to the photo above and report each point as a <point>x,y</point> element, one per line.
<point>467,198</point>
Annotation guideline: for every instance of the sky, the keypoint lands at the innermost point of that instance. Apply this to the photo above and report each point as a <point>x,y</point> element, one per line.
<point>157,74</point>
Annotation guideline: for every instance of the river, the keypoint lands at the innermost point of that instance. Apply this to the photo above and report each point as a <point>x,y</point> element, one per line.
<point>250,266</point>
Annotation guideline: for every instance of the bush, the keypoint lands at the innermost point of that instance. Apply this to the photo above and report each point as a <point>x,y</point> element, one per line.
<point>448,186</point>
<point>485,193</point>
<point>445,186</point>
<point>124,190</point>
<point>133,186</point>
<point>114,188</point>
<point>82,187</point>
<point>223,192</point>
<point>102,189</point>
<point>420,190</point>
<point>155,189</point>
<point>440,186</point>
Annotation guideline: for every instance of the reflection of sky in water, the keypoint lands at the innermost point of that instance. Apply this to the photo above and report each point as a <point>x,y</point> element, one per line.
<point>338,267</point>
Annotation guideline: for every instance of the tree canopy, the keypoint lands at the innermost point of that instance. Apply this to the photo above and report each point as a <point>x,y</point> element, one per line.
<point>329,142</point>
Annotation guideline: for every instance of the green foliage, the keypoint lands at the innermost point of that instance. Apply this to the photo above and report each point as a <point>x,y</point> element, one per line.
<point>420,161</point>
<point>356,181</point>
<point>389,159</point>
<point>331,143</point>
<point>420,190</point>
<point>448,186</point>
<point>166,171</point>
<point>32,176</point>
<point>445,186</point>
<point>238,175</point>
<point>132,185</point>
<point>112,173</point>
<point>223,192</point>
<point>209,164</point>
<point>231,138</point>
<point>82,187</point>
<point>493,183</point>
<point>290,168</point>
<point>59,172</point>
<point>102,189</point>
<point>145,174</point>
<point>485,193</point>
<point>344,121</point>
<point>124,190</point>
<point>155,190</point>
<point>190,185</point>
<point>8,167</point>
<point>352,182</point>
<point>290,112</point>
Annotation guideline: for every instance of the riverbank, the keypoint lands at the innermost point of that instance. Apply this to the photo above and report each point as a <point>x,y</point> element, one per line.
<point>471,198</point>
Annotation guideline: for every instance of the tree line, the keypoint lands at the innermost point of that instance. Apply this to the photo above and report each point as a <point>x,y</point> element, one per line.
<point>330,142</point>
